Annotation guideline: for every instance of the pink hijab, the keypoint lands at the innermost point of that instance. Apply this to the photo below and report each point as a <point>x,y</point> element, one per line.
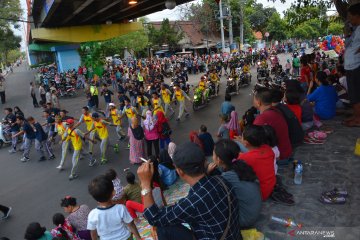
<point>233,124</point>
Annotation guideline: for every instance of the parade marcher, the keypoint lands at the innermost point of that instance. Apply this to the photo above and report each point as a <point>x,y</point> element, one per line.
<point>76,137</point>
<point>10,119</point>
<point>129,111</point>
<point>100,127</point>
<point>49,131</point>
<point>180,96</point>
<point>107,97</point>
<point>166,98</point>
<point>116,118</point>
<point>156,103</point>
<point>88,120</point>
<point>60,130</point>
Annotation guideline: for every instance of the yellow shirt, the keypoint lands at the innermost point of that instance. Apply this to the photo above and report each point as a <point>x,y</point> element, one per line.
<point>246,69</point>
<point>165,96</point>
<point>157,105</point>
<point>88,121</point>
<point>75,139</point>
<point>101,129</point>
<point>214,77</point>
<point>94,91</point>
<point>140,102</point>
<point>61,129</point>
<point>179,95</point>
<point>129,112</point>
<point>202,85</point>
<point>115,117</point>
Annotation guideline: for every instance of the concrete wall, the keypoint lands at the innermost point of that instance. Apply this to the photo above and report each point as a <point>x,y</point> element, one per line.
<point>67,59</point>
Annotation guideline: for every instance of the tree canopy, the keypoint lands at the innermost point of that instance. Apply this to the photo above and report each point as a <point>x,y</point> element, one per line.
<point>166,35</point>
<point>277,27</point>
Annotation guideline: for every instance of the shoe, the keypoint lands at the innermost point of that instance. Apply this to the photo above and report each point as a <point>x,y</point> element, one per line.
<point>178,119</point>
<point>72,177</point>
<point>187,114</point>
<point>103,161</point>
<point>128,146</point>
<point>60,168</point>
<point>122,138</point>
<point>7,214</point>
<point>42,159</point>
<point>12,150</point>
<point>92,162</point>
<point>52,157</point>
<point>25,159</point>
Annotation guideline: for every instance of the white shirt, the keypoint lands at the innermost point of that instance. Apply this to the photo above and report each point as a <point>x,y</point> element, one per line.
<point>110,223</point>
<point>351,56</point>
<point>343,82</point>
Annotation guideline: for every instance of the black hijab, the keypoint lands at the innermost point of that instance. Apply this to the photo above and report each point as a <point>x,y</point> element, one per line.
<point>138,132</point>
<point>165,159</point>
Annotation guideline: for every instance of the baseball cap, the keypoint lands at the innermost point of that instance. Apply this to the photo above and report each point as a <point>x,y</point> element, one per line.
<point>70,121</point>
<point>95,115</point>
<point>188,156</point>
<point>111,105</point>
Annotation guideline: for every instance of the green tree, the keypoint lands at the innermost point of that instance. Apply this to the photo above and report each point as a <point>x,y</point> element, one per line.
<point>10,12</point>
<point>167,34</point>
<point>277,27</point>
<point>259,16</point>
<point>135,41</point>
<point>336,28</point>
<point>8,41</point>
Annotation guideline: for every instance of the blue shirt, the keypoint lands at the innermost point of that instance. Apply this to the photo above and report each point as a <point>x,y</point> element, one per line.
<point>208,142</point>
<point>168,176</point>
<point>227,108</point>
<point>40,134</point>
<point>29,131</point>
<point>352,56</point>
<point>325,98</point>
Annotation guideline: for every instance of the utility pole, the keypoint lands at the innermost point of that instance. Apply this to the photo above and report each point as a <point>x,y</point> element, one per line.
<point>241,25</point>
<point>231,38</point>
<point>222,27</point>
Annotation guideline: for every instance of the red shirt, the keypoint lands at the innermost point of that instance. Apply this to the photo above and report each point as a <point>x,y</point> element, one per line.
<point>305,71</point>
<point>296,109</point>
<point>262,162</point>
<point>275,119</point>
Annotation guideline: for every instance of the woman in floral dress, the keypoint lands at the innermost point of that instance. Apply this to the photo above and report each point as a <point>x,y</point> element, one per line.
<point>136,139</point>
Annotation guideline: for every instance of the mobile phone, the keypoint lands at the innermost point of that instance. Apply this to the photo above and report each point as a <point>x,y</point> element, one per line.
<point>143,159</point>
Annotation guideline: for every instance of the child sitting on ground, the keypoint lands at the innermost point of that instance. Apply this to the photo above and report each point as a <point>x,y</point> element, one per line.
<point>63,228</point>
<point>112,176</point>
<point>292,99</point>
<point>324,97</point>
<point>108,220</point>
<point>260,157</point>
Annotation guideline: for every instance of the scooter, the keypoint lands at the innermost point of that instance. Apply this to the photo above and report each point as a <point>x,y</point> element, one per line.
<point>231,86</point>
<point>245,79</point>
<point>4,138</point>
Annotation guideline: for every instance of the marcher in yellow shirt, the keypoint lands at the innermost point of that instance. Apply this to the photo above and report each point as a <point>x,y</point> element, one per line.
<point>179,96</point>
<point>116,118</point>
<point>166,98</point>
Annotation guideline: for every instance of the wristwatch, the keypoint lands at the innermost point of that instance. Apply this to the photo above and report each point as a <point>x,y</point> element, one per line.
<point>145,191</point>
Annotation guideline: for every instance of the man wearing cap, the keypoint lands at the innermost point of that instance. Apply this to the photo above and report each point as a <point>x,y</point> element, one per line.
<point>76,137</point>
<point>211,208</point>
<point>100,127</point>
<point>115,116</point>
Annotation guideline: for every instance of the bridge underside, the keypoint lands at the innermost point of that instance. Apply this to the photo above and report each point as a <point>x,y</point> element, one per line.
<point>59,13</point>
<point>80,34</point>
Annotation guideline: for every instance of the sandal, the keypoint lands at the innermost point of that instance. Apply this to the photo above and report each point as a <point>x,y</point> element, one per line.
<point>336,193</point>
<point>309,140</point>
<point>332,200</point>
<point>281,196</point>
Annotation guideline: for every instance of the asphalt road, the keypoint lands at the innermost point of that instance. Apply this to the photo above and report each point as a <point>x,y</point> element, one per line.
<point>34,189</point>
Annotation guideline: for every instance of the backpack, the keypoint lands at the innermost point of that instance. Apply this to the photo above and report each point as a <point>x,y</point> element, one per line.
<point>166,130</point>
<point>296,133</point>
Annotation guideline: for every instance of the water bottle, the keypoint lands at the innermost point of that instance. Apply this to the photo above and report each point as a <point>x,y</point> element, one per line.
<point>298,173</point>
<point>286,222</point>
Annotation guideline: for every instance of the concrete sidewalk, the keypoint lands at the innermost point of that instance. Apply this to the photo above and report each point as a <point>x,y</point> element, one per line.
<point>326,166</point>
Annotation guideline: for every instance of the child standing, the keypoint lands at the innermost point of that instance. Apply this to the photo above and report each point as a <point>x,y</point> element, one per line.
<point>109,221</point>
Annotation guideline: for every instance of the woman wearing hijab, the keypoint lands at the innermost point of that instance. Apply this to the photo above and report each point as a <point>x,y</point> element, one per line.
<point>163,129</point>
<point>151,134</point>
<point>136,137</point>
<point>166,169</point>
<point>233,125</point>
